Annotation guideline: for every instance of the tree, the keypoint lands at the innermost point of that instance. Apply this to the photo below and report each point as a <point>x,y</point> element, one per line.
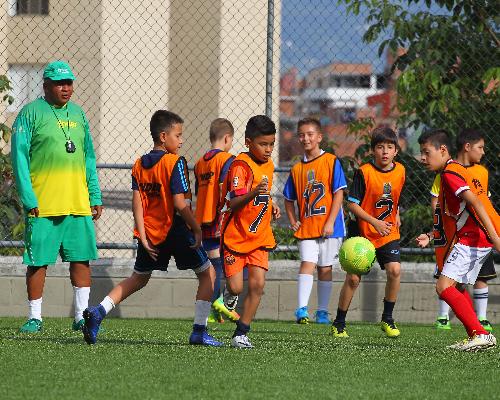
<point>11,211</point>
<point>449,72</point>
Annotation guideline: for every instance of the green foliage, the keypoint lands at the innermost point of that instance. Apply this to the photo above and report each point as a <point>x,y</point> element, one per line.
<point>284,236</point>
<point>450,69</point>
<point>11,211</point>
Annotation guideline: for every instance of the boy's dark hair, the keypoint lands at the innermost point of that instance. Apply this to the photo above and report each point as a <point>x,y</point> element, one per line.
<point>219,127</point>
<point>384,135</point>
<point>437,138</point>
<point>470,135</point>
<point>309,121</point>
<point>162,121</point>
<point>259,125</point>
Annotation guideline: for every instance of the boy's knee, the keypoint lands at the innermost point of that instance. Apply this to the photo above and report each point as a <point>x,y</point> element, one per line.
<point>353,281</point>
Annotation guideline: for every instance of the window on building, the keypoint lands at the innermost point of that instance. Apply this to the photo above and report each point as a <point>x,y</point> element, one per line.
<point>32,7</point>
<point>26,82</point>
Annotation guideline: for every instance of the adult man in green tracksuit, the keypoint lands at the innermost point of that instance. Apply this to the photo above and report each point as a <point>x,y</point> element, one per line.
<point>54,164</point>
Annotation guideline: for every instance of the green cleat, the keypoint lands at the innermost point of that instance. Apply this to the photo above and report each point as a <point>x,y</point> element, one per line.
<point>77,326</point>
<point>215,317</point>
<point>390,328</point>
<point>219,306</point>
<point>486,325</point>
<point>33,325</point>
<point>338,331</point>
<point>442,323</point>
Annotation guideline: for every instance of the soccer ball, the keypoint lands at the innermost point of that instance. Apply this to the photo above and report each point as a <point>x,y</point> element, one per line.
<point>356,255</point>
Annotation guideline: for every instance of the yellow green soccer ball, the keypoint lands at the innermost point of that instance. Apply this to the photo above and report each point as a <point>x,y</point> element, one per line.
<point>356,255</point>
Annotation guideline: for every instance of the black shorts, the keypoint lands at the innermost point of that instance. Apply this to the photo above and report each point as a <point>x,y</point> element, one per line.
<point>486,273</point>
<point>389,252</point>
<point>176,244</point>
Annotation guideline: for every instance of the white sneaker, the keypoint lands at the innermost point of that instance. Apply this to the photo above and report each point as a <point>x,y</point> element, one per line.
<point>241,342</point>
<point>479,342</point>
<point>459,345</point>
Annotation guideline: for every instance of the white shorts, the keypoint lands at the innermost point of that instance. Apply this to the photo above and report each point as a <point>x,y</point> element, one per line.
<point>322,252</point>
<point>464,262</point>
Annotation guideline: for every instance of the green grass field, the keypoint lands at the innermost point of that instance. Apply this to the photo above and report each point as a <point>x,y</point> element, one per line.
<point>150,359</point>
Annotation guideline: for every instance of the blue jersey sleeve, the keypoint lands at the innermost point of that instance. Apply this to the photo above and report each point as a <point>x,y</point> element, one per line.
<point>135,185</point>
<point>338,182</point>
<point>357,189</point>
<point>225,169</point>
<point>289,189</point>
<point>179,181</point>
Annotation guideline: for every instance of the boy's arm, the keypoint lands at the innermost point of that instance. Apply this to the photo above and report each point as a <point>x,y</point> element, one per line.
<point>139,225</point>
<point>239,201</point>
<point>472,200</point>
<point>187,215</point>
<point>290,212</point>
<point>382,227</point>
<point>338,197</point>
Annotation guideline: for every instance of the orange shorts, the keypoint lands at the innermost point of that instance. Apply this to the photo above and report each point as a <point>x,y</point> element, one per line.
<point>234,263</point>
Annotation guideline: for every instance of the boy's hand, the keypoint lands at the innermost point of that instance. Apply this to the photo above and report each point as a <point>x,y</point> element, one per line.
<point>382,227</point>
<point>276,212</point>
<point>327,230</point>
<point>261,188</point>
<point>152,250</point>
<point>295,227</point>
<point>422,240</point>
<point>197,239</point>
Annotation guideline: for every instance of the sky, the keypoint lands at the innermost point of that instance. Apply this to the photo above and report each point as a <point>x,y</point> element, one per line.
<point>317,32</point>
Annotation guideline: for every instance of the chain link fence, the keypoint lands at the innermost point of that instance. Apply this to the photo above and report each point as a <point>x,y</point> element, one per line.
<point>206,59</point>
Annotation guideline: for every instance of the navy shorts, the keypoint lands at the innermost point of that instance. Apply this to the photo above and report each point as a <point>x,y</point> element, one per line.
<point>211,244</point>
<point>176,244</point>
<point>389,252</point>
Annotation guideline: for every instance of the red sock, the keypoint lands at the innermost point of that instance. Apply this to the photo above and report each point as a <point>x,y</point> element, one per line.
<point>463,310</point>
<point>466,294</point>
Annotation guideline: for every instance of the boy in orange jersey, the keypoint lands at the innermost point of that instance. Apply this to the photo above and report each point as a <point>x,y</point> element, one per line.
<point>475,236</point>
<point>210,172</point>
<point>317,184</point>
<point>374,200</point>
<point>470,145</point>
<point>163,219</point>
<point>246,223</point>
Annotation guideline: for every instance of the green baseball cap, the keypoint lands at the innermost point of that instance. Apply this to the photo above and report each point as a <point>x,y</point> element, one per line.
<point>58,71</point>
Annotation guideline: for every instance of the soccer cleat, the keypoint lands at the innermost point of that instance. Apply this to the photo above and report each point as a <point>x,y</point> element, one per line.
<point>203,338</point>
<point>486,325</point>
<point>442,324</point>
<point>219,306</point>
<point>215,316</point>
<point>458,345</point>
<point>302,316</point>
<point>339,331</point>
<point>77,326</point>
<point>241,342</point>
<point>321,317</point>
<point>478,343</point>
<point>390,328</point>
<point>32,325</point>
<point>93,317</point>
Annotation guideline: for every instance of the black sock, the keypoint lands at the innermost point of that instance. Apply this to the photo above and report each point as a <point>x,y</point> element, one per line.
<point>241,329</point>
<point>340,318</point>
<point>388,308</point>
<point>199,328</point>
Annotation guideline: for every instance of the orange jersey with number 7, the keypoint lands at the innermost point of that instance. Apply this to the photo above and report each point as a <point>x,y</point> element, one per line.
<point>248,228</point>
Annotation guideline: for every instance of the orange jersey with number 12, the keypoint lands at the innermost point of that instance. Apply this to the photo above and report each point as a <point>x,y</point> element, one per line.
<point>248,228</point>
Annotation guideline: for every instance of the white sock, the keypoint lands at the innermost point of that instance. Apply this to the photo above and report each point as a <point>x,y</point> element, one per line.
<point>304,287</point>
<point>444,309</point>
<point>108,304</point>
<point>481,302</point>
<point>324,294</point>
<point>81,300</point>
<point>35,309</point>
<point>201,311</point>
